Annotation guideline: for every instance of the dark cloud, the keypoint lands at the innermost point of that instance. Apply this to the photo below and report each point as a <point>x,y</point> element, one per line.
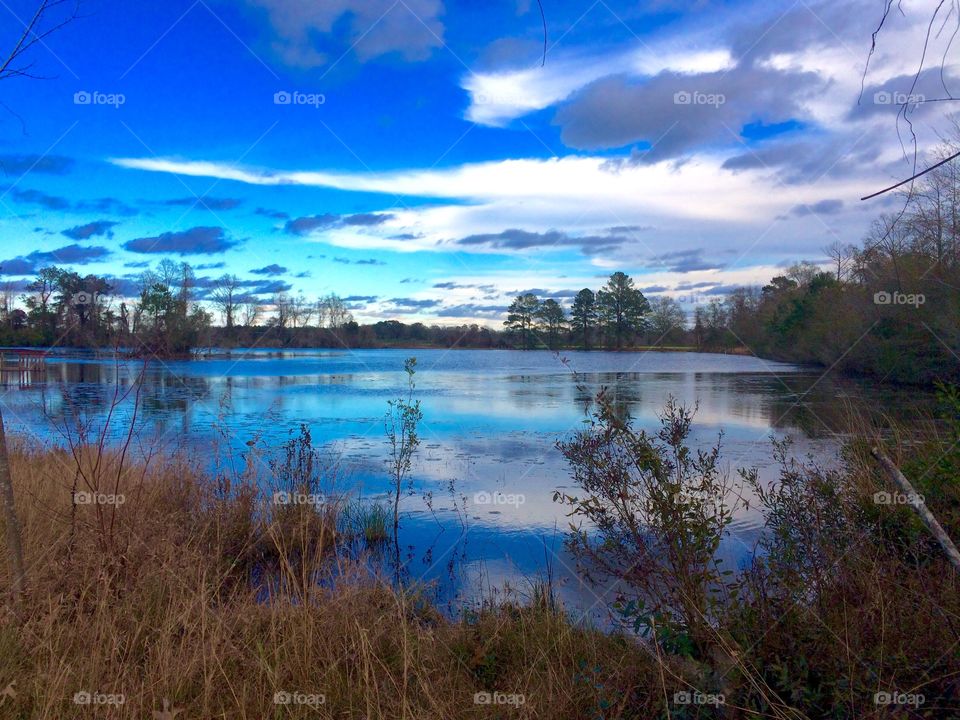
<point>17,266</point>
<point>275,214</point>
<point>628,229</point>
<point>56,202</point>
<point>70,254</point>
<point>684,261</point>
<point>306,225</point>
<point>654,288</point>
<point>407,236</point>
<point>35,197</point>
<point>210,203</point>
<point>67,255</point>
<point>98,227</point>
<point>270,270</point>
<point>269,287</point>
<point>367,218</point>
<point>514,239</point>
<point>461,286</point>
<point>361,298</point>
<point>211,266</point>
<point>676,113</point>
<point>799,162</point>
<point>412,304</point>
<point>367,261</point>
<point>723,289</point>
<point>471,310</point>
<point>106,205</point>
<point>141,264</point>
<point>824,207</point>
<point>694,285</point>
<point>23,164</point>
<point>195,241</point>
<point>364,28</point>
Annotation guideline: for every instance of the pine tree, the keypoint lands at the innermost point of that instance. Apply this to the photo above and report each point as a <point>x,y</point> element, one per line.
<point>520,317</point>
<point>622,308</point>
<point>584,315</point>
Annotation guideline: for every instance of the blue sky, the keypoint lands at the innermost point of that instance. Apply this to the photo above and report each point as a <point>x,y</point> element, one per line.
<point>427,165</point>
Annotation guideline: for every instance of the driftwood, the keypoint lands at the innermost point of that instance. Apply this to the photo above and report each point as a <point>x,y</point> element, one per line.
<point>916,502</point>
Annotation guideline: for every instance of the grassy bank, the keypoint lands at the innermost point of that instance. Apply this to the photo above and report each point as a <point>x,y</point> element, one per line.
<point>162,584</point>
<point>163,597</point>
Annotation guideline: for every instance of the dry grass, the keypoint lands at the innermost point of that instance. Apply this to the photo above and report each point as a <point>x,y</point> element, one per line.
<point>154,599</point>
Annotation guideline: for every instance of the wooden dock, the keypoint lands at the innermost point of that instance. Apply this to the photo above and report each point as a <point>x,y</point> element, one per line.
<point>27,366</point>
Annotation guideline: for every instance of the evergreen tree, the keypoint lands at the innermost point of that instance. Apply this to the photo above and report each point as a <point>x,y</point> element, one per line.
<point>551,321</point>
<point>622,308</point>
<point>584,315</point>
<point>520,317</point>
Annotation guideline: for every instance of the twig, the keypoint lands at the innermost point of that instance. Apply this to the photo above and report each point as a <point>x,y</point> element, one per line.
<point>912,177</point>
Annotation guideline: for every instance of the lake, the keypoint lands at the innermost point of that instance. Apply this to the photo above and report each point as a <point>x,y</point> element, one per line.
<point>491,420</point>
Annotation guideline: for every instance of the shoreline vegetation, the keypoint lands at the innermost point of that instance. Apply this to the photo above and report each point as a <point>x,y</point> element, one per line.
<point>888,309</point>
<point>156,585</point>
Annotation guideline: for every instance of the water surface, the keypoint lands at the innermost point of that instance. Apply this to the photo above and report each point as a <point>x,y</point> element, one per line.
<point>491,420</point>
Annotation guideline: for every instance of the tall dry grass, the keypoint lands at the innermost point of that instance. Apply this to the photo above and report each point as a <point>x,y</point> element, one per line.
<point>210,599</point>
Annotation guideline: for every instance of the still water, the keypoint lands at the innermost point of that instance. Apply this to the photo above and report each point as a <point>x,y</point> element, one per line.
<point>491,420</point>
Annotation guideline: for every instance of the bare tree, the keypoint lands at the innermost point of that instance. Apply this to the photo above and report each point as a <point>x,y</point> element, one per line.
<point>224,297</point>
<point>841,258</point>
<point>281,310</point>
<point>47,18</point>
<point>300,311</point>
<point>252,310</point>
<point>333,312</point>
